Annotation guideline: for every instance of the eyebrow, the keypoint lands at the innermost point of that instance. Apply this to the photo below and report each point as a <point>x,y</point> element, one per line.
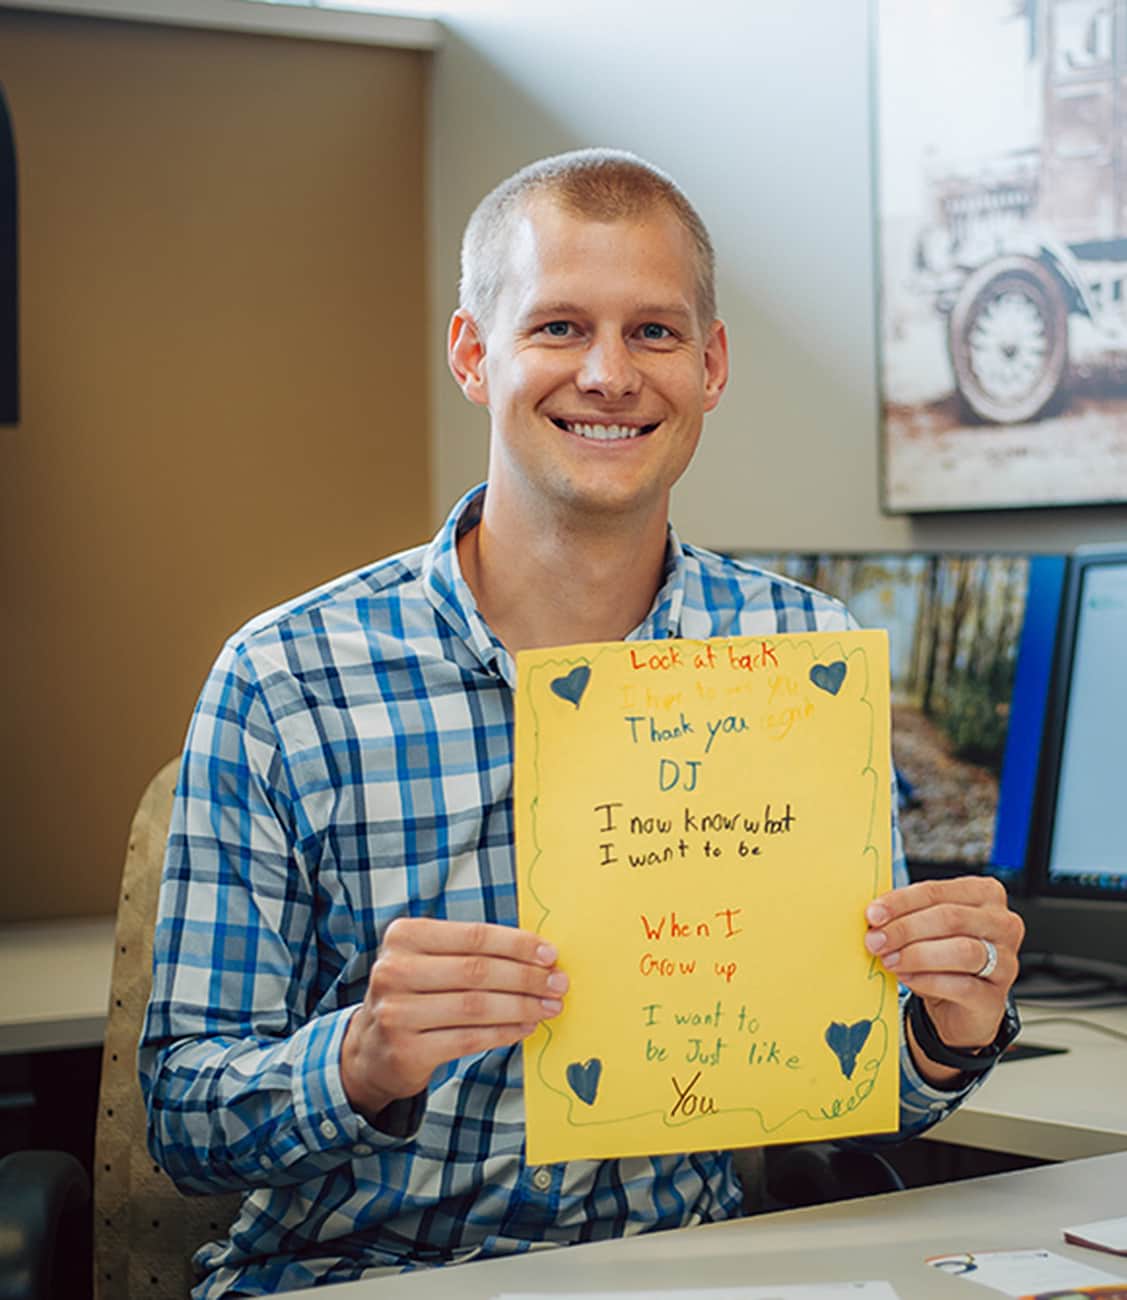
<point>574,309</point>
<point>682,310</point>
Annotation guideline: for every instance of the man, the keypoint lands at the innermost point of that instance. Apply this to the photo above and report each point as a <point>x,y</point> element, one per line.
<point>340,986</point>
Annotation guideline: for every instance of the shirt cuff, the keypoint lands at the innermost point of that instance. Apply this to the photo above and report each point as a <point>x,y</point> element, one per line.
<point>325,1120</point>
<point>923,1104</point>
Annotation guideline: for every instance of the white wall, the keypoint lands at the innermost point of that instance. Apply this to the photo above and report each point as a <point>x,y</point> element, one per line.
<point>760,109</point>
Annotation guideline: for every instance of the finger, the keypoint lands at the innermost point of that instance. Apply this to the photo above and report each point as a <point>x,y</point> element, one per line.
<point>960,990</point>
<point>426,1012</point>
<point>444,1045</point>
<point>425,934</point>
<point>427,973</point>
<point>972,891</point>
<point>945,920</point>
<point>960,955</point>
<point>429,1050</point>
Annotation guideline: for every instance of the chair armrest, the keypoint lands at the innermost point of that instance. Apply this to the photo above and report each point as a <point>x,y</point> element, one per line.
<point>44,1203</point>
<point>814,1173</point>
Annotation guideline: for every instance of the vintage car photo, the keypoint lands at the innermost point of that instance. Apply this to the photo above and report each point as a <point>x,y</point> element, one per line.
<point>1001,135</point>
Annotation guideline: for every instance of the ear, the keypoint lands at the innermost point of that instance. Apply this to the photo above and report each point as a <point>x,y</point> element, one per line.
<point>465,354</point>
<point>715,364</point>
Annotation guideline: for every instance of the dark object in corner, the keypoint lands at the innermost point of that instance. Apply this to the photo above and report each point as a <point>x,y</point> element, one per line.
<point>9,273</point>
<point>814,1173</point>
<point>44,1205</point>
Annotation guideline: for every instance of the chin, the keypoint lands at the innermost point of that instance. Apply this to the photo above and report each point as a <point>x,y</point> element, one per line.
<point>609,503</point>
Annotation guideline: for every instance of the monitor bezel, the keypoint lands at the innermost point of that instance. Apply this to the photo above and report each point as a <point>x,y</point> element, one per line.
<point>1040,883</point>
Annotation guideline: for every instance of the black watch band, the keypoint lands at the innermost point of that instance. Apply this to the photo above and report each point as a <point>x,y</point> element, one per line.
<point>971,1060</point>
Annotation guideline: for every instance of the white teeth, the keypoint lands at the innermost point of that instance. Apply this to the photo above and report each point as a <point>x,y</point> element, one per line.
<point>604,432</point>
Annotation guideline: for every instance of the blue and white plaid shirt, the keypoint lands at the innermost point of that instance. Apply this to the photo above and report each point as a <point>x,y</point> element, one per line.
<point>349,762</point>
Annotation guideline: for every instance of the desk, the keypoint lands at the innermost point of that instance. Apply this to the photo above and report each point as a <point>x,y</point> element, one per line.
<point>1052,1107</point>
<point>880,1237</point>
<point>54,984</point>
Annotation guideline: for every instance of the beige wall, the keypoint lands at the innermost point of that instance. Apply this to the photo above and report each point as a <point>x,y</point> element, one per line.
<point>224,401</point>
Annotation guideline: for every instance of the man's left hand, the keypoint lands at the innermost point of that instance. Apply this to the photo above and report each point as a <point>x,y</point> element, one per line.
<point>932,936</point>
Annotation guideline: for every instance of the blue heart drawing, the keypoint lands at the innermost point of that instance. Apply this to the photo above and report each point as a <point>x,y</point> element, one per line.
<point>583,1079</point>
<point>846,1041</point>
<point>828,677</point>
<point>572,686</point>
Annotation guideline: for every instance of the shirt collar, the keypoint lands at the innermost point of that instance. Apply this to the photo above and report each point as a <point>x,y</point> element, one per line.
<point>450,595</point>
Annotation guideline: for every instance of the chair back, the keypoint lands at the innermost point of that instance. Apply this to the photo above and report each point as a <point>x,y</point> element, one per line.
<point>145,1231</point>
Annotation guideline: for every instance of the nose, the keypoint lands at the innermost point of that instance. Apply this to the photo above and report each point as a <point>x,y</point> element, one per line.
<point>608,368</point>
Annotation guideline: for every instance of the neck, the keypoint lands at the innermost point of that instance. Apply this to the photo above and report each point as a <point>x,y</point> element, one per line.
<point>547,582</point>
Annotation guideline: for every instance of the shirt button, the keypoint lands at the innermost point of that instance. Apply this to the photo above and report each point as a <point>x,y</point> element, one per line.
<point>542,1179</point>
<point>328,1129</point>
<point>361,1149</point>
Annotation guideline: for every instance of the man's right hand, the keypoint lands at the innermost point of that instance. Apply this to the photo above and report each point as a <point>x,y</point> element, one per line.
<point>439,990</point>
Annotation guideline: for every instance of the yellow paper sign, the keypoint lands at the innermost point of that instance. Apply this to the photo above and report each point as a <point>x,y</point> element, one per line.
<point>699,827</point>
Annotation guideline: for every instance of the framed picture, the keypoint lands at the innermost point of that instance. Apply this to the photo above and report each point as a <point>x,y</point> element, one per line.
<point>1001,198</point>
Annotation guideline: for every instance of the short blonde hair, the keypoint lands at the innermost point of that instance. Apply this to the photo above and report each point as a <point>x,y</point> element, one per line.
<point>602,184</point>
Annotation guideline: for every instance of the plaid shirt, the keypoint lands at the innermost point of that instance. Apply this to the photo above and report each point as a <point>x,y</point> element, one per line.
<point>350,761</point>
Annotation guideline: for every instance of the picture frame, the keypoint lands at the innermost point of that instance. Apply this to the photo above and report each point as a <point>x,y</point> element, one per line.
<point>1000,135</point>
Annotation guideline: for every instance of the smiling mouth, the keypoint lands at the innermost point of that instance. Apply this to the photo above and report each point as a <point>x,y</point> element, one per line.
<point>603,432</point>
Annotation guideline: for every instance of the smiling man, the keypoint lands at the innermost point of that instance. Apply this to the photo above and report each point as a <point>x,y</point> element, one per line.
<point>340,987</point>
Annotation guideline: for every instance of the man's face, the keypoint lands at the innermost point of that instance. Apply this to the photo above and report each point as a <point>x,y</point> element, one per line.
<point>595,367</point>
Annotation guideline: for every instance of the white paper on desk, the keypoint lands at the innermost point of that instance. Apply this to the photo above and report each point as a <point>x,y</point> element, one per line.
<point>791,1291</point>
<point>1022,1273</point>
<point>1104,1234</point>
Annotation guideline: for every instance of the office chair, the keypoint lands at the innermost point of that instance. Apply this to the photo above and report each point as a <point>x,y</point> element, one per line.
<point>44,1201</point>
<point>145,1231</point>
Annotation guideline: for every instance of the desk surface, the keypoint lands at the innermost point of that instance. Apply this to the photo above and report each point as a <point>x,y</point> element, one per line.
<point>882,1237</point>
<point>1053,1107</point>
<point>54,984</point>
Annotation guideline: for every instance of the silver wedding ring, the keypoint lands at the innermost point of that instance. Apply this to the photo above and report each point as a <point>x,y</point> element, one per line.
<point>991,960</point>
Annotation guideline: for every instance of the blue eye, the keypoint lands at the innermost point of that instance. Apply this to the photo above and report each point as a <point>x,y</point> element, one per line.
<point>558,329</point>
<point>656,332</point>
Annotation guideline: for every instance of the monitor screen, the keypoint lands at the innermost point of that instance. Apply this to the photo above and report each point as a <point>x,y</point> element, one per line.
<point>1086,767</point>
<point>971,640</point>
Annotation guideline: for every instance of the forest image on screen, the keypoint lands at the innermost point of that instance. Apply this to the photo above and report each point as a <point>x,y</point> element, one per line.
<point>955,625</point>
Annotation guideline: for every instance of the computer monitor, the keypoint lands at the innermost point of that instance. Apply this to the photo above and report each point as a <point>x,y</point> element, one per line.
<point>1076,912</point>
<point>971,639</point>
